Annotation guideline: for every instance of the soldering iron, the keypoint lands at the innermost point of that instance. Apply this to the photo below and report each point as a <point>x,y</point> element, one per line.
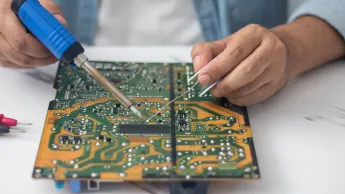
<point>62,44</point>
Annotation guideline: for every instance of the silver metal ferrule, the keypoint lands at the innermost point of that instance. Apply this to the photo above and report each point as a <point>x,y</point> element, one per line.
<point>80,60</point>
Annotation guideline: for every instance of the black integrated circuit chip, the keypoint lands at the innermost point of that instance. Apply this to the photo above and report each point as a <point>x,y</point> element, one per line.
<point>64,138</point>
<point>144,129</point>
<point>77,138</point>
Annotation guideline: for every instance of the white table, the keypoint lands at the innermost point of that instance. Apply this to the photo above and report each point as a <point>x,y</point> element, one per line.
<point>299,134</point>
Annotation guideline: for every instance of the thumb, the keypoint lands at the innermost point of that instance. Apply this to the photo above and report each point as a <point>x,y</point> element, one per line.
<point>204,52</point>
<point>55,10</point>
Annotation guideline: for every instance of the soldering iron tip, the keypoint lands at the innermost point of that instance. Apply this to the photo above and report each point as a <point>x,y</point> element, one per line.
<point>136,111</point>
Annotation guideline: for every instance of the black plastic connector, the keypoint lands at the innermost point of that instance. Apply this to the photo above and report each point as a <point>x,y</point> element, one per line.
<point>72,52</point>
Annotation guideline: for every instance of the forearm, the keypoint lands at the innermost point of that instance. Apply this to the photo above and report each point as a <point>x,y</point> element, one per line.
<point>311,42</point>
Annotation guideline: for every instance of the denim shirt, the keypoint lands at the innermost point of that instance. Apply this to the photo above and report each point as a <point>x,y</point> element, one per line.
<point>217,18</point>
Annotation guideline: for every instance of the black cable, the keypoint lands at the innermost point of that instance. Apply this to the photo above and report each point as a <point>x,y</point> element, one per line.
<point>4,129</point>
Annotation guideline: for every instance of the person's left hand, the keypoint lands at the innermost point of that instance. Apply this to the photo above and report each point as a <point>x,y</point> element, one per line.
<point>251,65</point>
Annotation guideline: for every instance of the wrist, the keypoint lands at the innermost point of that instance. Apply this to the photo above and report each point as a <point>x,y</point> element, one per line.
<point>295,50</point>
<point>310,42</point>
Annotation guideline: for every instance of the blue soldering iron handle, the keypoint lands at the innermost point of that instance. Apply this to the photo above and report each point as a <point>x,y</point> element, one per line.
<point>47,29</point>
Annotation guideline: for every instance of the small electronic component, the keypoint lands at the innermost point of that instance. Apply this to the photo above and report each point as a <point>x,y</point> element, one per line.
<point>182,122</point>
<point>70,139</point>
<point>89,135</point>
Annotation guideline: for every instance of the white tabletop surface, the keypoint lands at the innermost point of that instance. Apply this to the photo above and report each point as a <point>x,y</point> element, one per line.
<point>299,134</point>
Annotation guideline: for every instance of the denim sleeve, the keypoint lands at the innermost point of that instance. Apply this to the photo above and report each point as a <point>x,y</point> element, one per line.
<point>331,11</point>
<point>82,18</point>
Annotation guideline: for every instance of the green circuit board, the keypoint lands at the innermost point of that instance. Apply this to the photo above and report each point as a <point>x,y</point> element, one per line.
<point>88,134</point>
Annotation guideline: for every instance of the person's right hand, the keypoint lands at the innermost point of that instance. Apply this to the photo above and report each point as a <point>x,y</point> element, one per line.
<point>18,48</point>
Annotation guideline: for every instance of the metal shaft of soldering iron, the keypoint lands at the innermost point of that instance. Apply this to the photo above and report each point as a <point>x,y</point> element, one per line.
<point>82,62</point>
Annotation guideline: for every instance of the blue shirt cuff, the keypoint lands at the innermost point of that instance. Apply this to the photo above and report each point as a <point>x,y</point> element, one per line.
<point>331,11</point>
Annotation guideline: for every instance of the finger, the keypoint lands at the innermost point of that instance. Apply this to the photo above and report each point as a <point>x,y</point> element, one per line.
<point>21,59</point>
<point>17,36</point>
<point>28,61</point>
<point>247,71</point>
<point>263,79</point>
<point>2,57</point>
<point>7,64</point>
<point>239,46</point>
<point>257,96</point>
<point>55,10</point>
<point>203,53</point>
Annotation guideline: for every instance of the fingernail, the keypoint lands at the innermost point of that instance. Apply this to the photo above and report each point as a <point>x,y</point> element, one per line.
<point>204,79</point>
<point>60,18</point>
<point>196,62</point>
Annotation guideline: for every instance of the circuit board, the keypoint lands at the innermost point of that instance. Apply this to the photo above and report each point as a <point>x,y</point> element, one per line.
<point>88,134</point>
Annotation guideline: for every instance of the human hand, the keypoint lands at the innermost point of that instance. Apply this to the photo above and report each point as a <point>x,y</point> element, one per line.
<point>18,48</point>
<point>251,65</point>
